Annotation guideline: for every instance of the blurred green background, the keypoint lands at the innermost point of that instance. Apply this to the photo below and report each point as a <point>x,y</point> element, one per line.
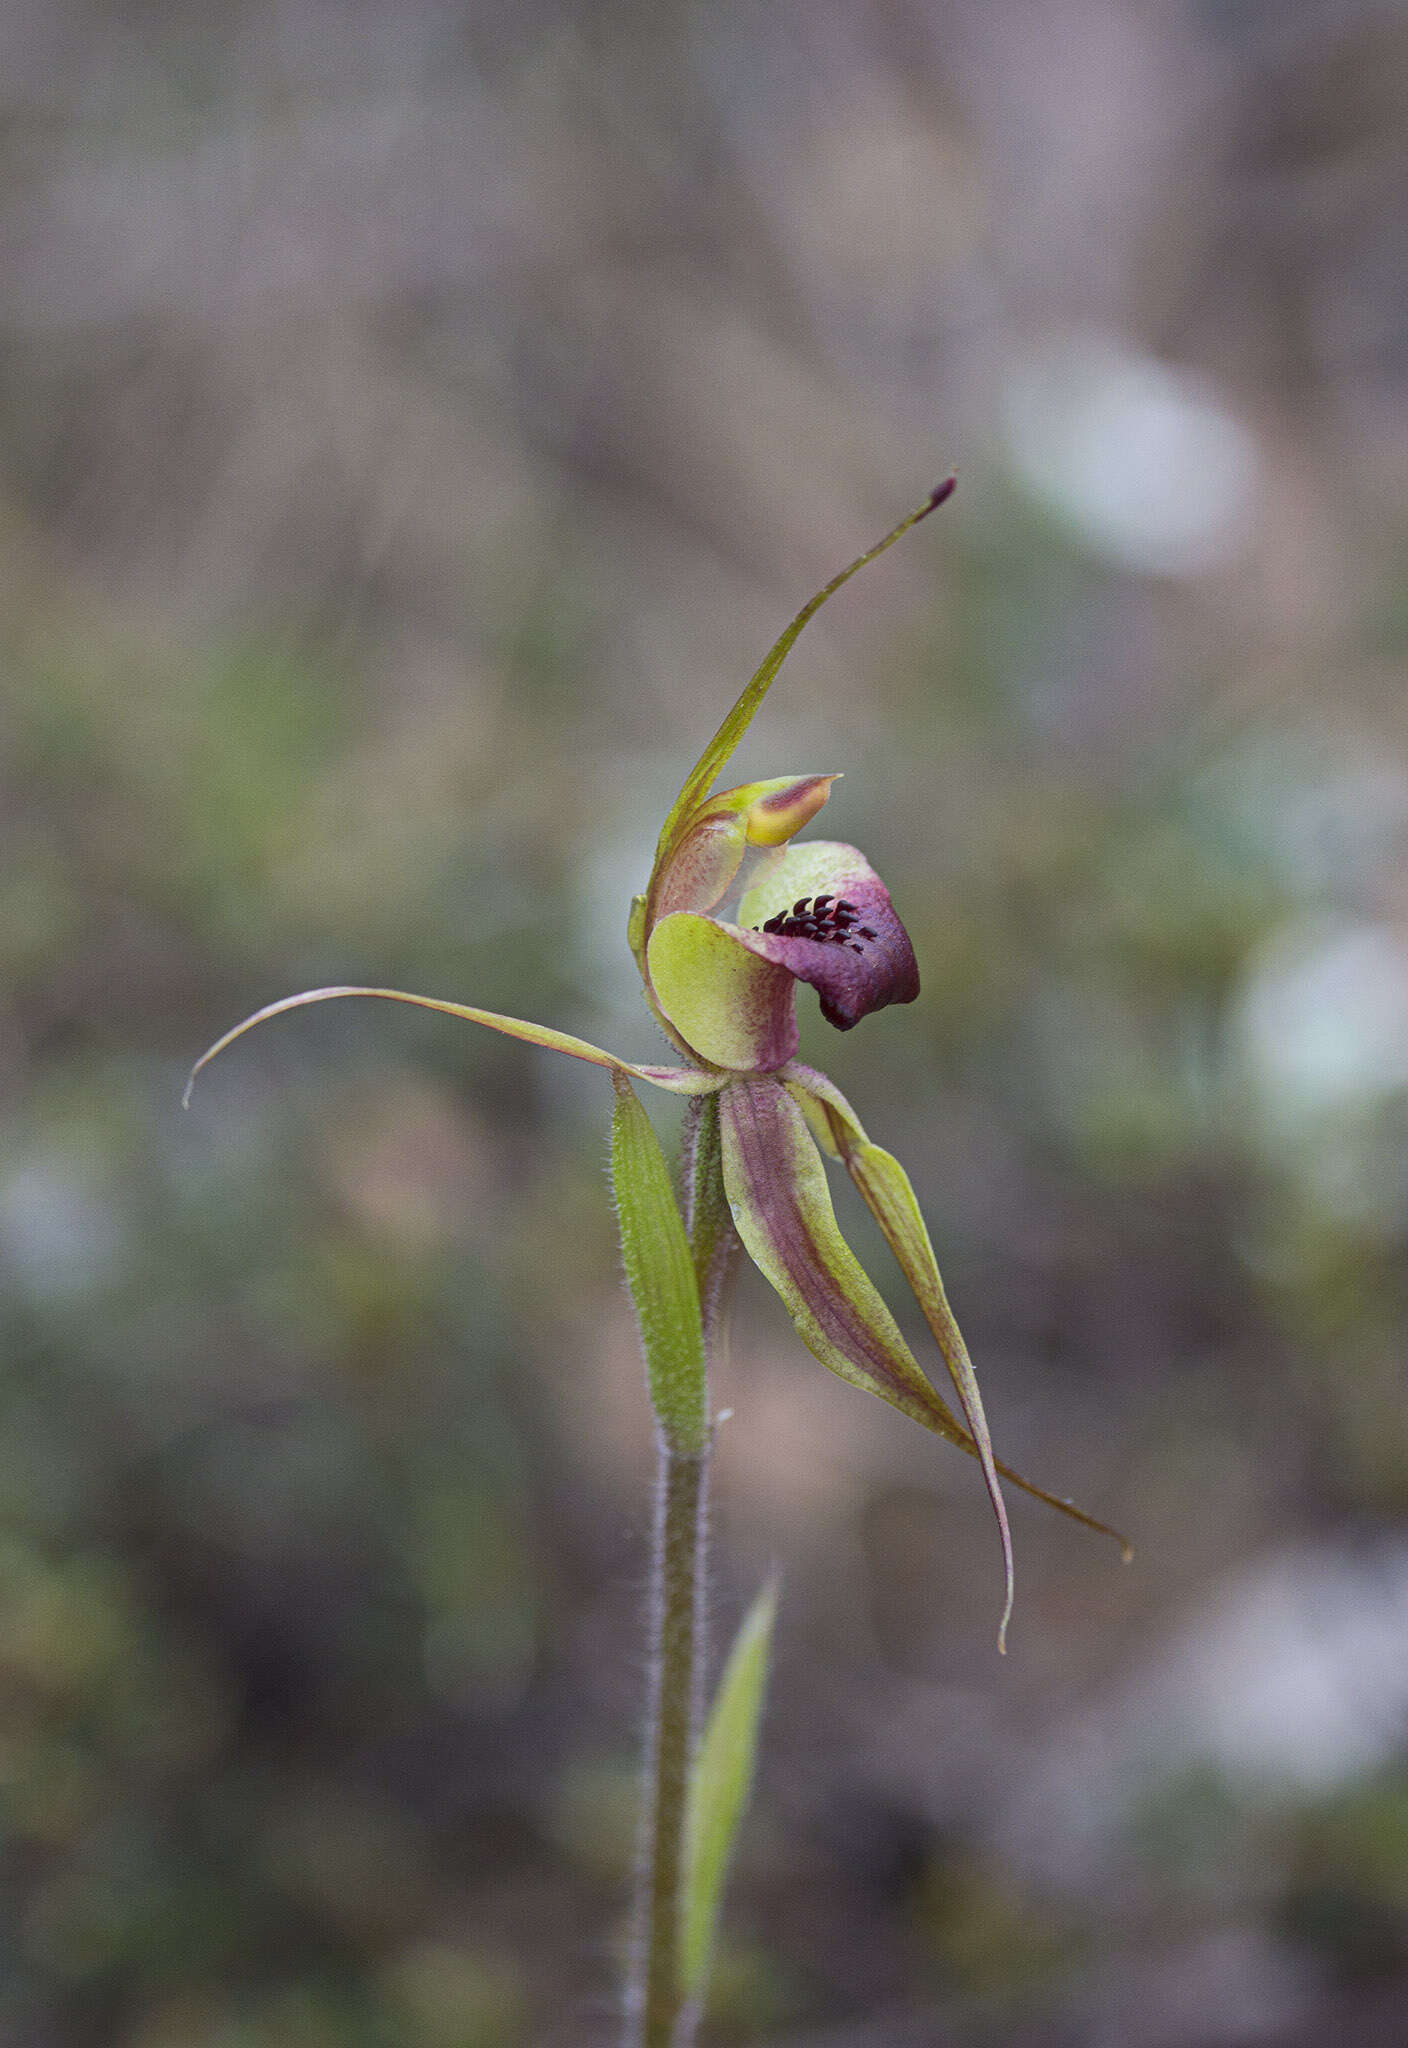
<point>416,420</point>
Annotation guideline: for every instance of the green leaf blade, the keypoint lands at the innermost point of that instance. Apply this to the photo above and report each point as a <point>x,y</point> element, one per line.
<point>720,1785</point>
<point>660,1275</point>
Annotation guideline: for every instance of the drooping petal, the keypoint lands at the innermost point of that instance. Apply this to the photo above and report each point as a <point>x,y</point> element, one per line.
<point>710,764</point>
<point>776,1187</point>
<point>892,1201</point>
<point>834,926</point>
<point>678,1080</point>
<point>735,1009</point>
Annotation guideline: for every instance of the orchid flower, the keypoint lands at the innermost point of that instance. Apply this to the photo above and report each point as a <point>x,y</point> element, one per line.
<point>724,992</point>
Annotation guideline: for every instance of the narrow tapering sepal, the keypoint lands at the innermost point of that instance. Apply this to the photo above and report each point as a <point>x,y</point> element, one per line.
<point>676,1080</point>
<point>707,768</point>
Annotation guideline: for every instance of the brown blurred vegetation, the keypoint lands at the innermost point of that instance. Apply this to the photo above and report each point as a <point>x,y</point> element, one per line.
<point>415,422</point>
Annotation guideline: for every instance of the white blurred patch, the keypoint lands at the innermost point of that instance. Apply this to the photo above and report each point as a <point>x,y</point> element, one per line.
<point>1315,799</point>
<point>1144,461</point>
<point>1323,1020</point>
<point>58,1234</point>
<point>1299,1675</point>
<point>1293,1679</point>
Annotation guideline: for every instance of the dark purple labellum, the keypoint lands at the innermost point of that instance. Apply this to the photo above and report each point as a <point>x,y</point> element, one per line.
<point>852,949</point>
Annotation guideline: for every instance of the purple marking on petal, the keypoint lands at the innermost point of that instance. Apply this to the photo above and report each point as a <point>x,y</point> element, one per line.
<point>851,978</point>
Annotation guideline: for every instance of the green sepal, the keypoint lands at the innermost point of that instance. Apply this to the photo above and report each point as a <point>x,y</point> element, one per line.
<point>677,1080</point>
<point>660,1275</point>
<point>719,1788</point>
<point>710,763</point>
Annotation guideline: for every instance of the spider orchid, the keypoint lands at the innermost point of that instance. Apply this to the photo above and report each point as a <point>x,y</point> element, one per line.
<point>724,992</point>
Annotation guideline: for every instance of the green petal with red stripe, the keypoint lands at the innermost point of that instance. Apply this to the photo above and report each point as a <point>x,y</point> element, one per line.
<point>776,1188</point>
<point>892,1201</point>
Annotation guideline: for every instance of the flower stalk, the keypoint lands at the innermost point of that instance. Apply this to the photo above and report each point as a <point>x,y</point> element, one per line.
<point>658,2012</point>
<point>655,1992</point>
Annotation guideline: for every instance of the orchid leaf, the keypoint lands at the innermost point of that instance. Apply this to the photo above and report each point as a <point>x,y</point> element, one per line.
<point>678,1080</point>
<point>719,1787</point>
<point>710,763</point>
<point>781,1204</point>
<point>660,1274</point>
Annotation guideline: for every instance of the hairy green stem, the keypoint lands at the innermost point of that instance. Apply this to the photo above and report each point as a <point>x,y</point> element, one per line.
<point>672,1727</point>
<point>656,2014</point>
